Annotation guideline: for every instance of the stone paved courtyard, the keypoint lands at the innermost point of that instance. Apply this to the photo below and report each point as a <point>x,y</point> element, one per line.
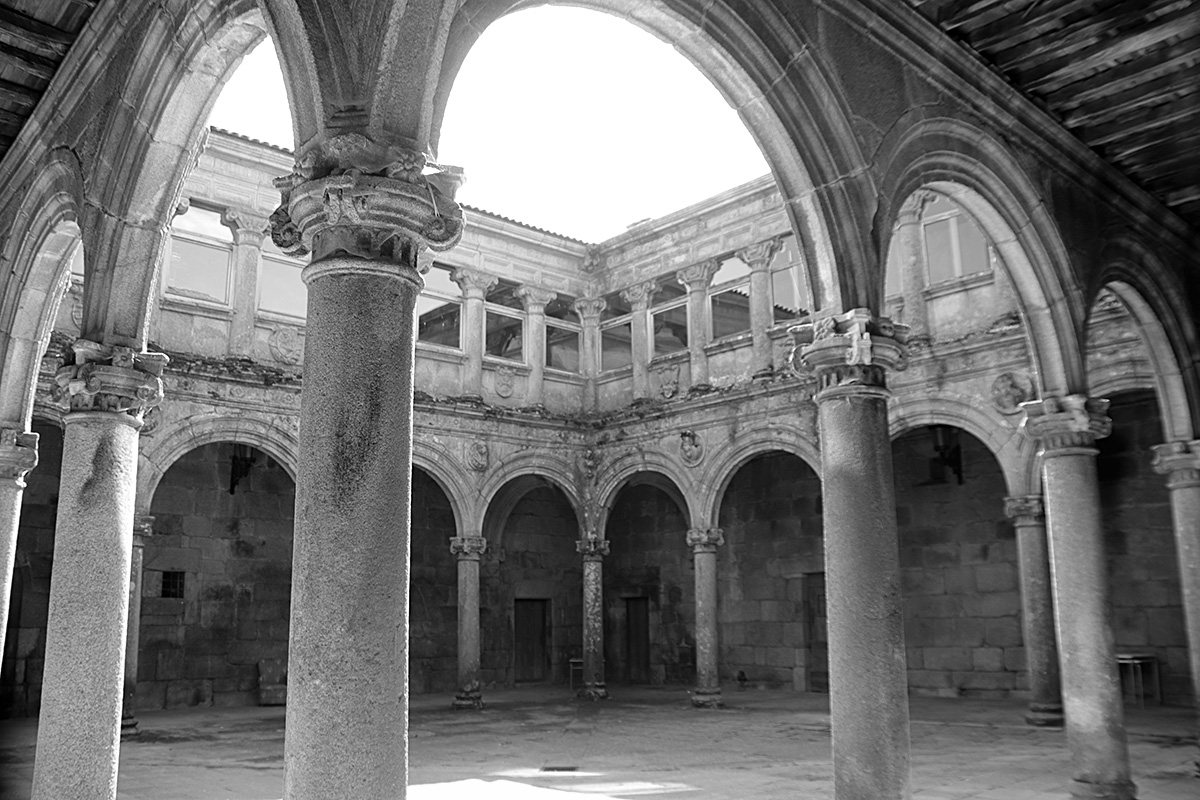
<point>765,744</point>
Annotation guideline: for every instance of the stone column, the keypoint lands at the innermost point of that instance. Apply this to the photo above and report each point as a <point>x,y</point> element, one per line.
<point>468,549</point>
<point>762,311</point>
<point>1066,429</point>
<point>868,683</point>
<point>365,212</point>
<point>248,235</point>
<point>593,549</point>
<point>589,310</point>
<point>1037,610</point>
<point>696,279</point>
<point>535,300</point>
<point>1180,462</point>
<point>912,263</point>
<point>639,298</point>
<point>18,455</point>
<point>704,543</point>
<point>475,285</point>
<point>143,527</point>
<point>107,390</point>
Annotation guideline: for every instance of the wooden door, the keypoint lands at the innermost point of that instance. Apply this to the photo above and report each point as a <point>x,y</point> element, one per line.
<point>816,632</point>
<point>637,640</point>
<point>531,634</point>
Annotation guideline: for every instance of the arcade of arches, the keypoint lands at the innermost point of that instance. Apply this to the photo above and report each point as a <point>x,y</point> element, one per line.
<point>913,415</point>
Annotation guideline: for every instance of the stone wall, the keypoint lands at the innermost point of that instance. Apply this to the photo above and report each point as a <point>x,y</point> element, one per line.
<point>235,553</point>
<point>433,592</point>
<point>958,556</point>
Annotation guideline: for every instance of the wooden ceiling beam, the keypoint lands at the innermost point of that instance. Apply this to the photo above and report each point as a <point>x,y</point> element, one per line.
<point>1157,146</point>
<point>30,63</point>
<point>1112,107</point>
<point>1189,194</point>
<point>1005,33</point>
<point>1145,121</point>
<point>14,94</point>
<point>1155,72</point>
<point>956,13</point>
<point>34,35</point>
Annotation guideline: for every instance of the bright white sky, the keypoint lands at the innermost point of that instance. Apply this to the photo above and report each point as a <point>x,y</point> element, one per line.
<point>566,119</point>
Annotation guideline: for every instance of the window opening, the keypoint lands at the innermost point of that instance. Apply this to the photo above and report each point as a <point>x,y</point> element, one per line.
<point>172,584</point>
<point>199,253</point>
<point>439,309</point>
<point>789,283</point>
<point>280,288</point>
<point>562,335</point>
<point>954,244</point>
<point>729,299</point>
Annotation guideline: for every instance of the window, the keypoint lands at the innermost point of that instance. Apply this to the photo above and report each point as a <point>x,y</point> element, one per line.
<point>172,584</point>
<point>439,309</point>
<point>669,329</point>
<point>562,335</point>
<point>504,322</point>
<point>616,333</point>
<point>198,257</point>
<point>954,244</point>
<point>729,298</point>
<point>789,283</point>
<point>280,289</point>
<point>77,262</point>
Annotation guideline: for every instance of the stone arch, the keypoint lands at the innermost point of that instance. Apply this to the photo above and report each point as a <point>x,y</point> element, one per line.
<point>436,461</point>
<point>36,256</point>
<point>158,454</point>
<point>787,439</point>
<point>973,168</point>
<point>765,66</point>
<point>521,474</point>
<point>621,471</point>
<point>632,476</point>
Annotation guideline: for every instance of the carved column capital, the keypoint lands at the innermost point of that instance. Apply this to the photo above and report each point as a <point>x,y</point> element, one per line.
<point>354,196</point>
<point>697,277</point>
<point>851,351</point>
<point>640,294</point>
<point>473,282</point>
<point>1025,510</point>
<point>592,548</point>
<point>535,298</point>
<point>18,454</point>
<point>758,255</point>
<point>143,528</point>
<point>468,548</point>
<point>104,378</point>
<point>589,309</point>
<point>1060,425</point>
<point>705,540</point>
<point>247,228</point>
<point>1179,461</point>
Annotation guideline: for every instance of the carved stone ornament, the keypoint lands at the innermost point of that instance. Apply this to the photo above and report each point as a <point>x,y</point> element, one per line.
<point>592,547</point>
<point>506,378</point>
<point>468,548</point>
<point>589,309</point>
<point>1179,461</point>
<point>640,294</point>
<point>589,463</point>
<point>1011,389</point>
<point>705,540</point>
<point>759,254</point>
<point>850,350</point>
<point>354,196</point>
<point>691,448</point>
<point>697,277</point>
<point>1070,421</point>
<point>18,454</point>
<point>477,456</point>
<point>104,378</point>
<point>535,298</point>
<point>285,345</point>
<point>1025,510</point>
<point>592,260</point>
<point>668,380</point>
<point>150,421</point>
<point>473,282</point>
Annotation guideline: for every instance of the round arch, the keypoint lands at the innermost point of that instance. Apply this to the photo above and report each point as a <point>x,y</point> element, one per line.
<point>785,439</point>
<point>502,491</point>
<point>971,167</point>
<point>623,469</point>
<point>639,477</point>
<point>436,462</point>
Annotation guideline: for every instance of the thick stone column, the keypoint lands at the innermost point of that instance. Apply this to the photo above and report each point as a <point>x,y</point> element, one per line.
<point>704,543</point>
<point>365,214</point>
<point>593,549</point>
<point>475,285</point>
<point>868,682</point>
<point>912,266</point>
<point>589,310</point>
<point>696,279</point>
<point>762,311</point>
<point>639,298</point>
<point>1037,610</point>
<point>1180,462</point>
<point>143,527</point>
<point>107,390</point>
<point>248,232</point>
<point>18,455</point>
<point>1066,429</point>
<point>468,549</point>
<point>535,300</point>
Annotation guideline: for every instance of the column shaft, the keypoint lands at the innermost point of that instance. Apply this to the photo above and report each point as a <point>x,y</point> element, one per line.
<point>704,543</point>
<point>1037,611</point>
<point>468,550</point>
<point>18,455</point>
<point>535,300</point>
<point>697,335</point>
<point>912,266</point>
<point>142,527</point>
<point>247,252</point>
<point>639,298</point>
<point>593,551</point>
<point>475,286</point>
<point>762,313</point>
<point>589,310</point>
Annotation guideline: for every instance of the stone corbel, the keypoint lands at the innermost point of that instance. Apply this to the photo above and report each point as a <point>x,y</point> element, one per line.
<point>107,378</point>
<point>1063,423</point>
<point>851,349</point>
<point>18,454</point>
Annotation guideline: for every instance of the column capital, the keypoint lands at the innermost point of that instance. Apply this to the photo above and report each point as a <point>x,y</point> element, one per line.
<point>705,540</point>
<point>1060,425</point>
<point>1179,461</point>
<point>697,277</point>
<point>589,309</point>
<point>473,282</point>
<point>351,195</point>
<point>851,351</point>
<point>468,548</point>
<point>106,378</point>
<point>1025,510</point>
<point>640,294</point>
<point>592,548</point>
<point>247,228</point>
<point>18,454</point>
<point>143,528</point>
<point>535,298</point>
<point>758,255</point>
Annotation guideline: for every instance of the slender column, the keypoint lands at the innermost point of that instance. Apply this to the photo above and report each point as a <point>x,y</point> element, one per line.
<point>1066,429</point>
<point>1180,462</point>
<point>639,298</point>
<point>347,711</point>
<point>868,682</point>
<point>108,390</point>
<point>475,286</point>
<point>535,300</point>
<point>18,455</point>
<point>248,235</point>
<point>696,279</point>
<point>143,527</point>
<point>589,310</point>
<point>912,266</point>
<point>1037,610</point>
<point>468,549</point>
<point>593,549</point>
<point>762,313</point>
<point>704,543</point>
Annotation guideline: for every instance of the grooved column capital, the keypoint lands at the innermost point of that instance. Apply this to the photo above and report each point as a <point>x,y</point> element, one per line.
<point>473,282</point>
<point>18,454</point>
<point>589,309</point>
<point>850,352</point>
<point>758,255</point>
<point>468,548</point>
<point>1025,510</point>
<point>1063,425</point>
<point>535,298</point>
<point>705,540</point>
<point>104,378</point>
<point>640,294</point>
<point>1179,461</point>
<point>697,277</point>
<point>592,548</point>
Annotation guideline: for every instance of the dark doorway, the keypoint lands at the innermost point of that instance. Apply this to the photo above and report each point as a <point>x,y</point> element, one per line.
<point>816,632</point>
<point>531,632</point>
<point>637,639</point>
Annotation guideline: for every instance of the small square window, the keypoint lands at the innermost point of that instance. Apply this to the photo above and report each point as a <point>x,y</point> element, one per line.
<point>172,584</point>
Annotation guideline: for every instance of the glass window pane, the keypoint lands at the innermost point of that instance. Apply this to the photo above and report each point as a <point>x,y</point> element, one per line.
<point>504,337</point>
<point>77,260</point>
<point>616,347</point>
<point>787,254</point>
<point>731,269</point>
<point>730,312</point>
<point>504,294</point>
<point>670,331</point>
<point>437,279</point>
<point>668,291</point>
<point>938,250</point>
<point>562,307</point>
<point>562,348</point>
<point>972,247</point>
<point>280,289</point>
<point>438,321</point>
<point>789,293</point>
<point>203,222</point>
<point>199,271</point>
<point>614,306</point>
<point>941,205</point>
<point>895,265</point>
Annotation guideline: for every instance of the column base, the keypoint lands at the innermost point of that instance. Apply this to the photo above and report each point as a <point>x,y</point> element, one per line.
<point>707,698</point>
<point>593,691</point>
<point>1045,715</point>
<point>1121,790</point>
<point>129,727</point>
<point>468,702</point>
